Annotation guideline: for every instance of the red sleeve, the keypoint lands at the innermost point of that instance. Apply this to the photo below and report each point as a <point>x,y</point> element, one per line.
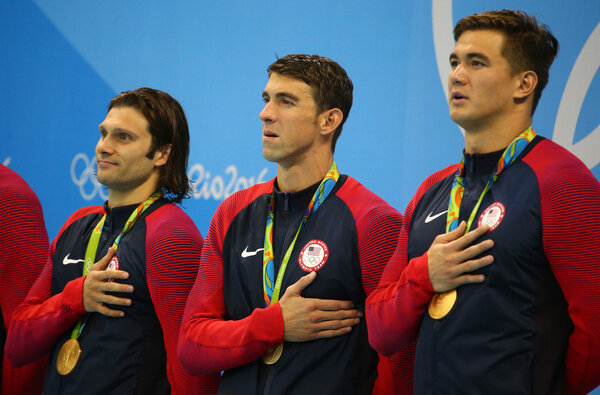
<point>395,308</point>
<point>41,319</point>
<point>570,199</point>
<point>209,343</point>
<point>378,226</point>
<point>173,246</point>
<point>23,252</point>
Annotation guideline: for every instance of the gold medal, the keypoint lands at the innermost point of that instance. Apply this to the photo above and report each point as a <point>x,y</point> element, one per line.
<point>441,304</point>
<point>67,357</point>
<point>273,354</point>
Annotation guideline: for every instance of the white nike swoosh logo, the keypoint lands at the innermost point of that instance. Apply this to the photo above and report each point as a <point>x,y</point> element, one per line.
<point>67,261</point>
<point>432,217</point>
<point>246,253</point>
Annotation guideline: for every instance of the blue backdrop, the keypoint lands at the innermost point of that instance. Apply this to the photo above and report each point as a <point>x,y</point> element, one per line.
<point>63,61</point>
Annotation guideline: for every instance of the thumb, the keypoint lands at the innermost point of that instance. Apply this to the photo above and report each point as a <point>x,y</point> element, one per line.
<point>302,283</point>
<point>102,264</point>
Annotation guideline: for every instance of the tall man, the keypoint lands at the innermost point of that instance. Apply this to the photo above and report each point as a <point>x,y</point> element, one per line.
<point>512,306</point>
<point>23,239</point>
<point>264,240</point>
<point>116,331</point>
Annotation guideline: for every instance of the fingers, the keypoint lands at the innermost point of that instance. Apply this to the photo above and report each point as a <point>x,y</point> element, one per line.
<point>474,250</point>
<point>453,235</point>
<point>469,238</point>
<point>97,301</point>
<point>472,265</point>
<point>318,325</point>
<point>106,275</point>
<point>337,315</point>
<point>302,283</point>
<point>96,287</point>
<point>331,304</point>
<point>103,263</point>
<point>331,333</point>
<point>461,273</point>
<point>325,329</point>
<point>109,312</point>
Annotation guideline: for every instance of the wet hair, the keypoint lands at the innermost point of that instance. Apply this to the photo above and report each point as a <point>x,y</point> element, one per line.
<point>331,87</point>
<point>168,126</point>
<point>527,44</point>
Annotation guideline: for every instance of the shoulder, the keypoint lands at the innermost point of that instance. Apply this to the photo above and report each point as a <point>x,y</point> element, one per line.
<point>167,213</point>
<point>547,155</point>
<point>358,197</point>
<point>18,203</point>
<point>435,178</point>
<point>80,214</point>
<point>242,199</point>
<point>364,204</point>
<point>170,221</point>
<point>83,212</point>
<point>13,188</point>
<point>557,169</point>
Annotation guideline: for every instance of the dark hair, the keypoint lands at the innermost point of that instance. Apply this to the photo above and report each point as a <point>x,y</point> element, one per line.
<point>527,45</point>
<point>167,125</point>
<point>331,86</point>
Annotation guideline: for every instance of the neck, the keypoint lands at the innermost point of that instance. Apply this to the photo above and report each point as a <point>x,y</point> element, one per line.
<point>297,177</point>
<point>118,198</point>
<point>494,138</point>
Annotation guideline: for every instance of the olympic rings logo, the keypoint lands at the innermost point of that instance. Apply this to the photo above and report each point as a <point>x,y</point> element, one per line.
<point>83,174</point>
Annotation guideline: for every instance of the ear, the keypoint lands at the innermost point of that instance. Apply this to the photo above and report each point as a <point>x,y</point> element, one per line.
<point>527,81</point>
<point>330,120</point>
<point>161,155</point>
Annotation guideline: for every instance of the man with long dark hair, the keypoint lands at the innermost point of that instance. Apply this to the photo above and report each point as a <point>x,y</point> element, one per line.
<point>112,326</point>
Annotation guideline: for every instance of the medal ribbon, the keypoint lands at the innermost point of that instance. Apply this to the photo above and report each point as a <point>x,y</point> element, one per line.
<point>92,247</point>
<point>509,155</point>
<point>271,289</point>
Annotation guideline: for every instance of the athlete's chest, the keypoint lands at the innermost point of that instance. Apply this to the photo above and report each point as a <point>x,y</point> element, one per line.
<point>72,247</point>
<point>511,208</point>
<point>327,244</point>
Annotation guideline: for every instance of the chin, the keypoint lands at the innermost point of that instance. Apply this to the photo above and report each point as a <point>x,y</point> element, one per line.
<point>461,121</point>
<point>269,156</point>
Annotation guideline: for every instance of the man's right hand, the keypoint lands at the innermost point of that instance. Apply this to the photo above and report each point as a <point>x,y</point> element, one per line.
<point>450,257</point>
<point>307,319</point>
<point>97,284</point>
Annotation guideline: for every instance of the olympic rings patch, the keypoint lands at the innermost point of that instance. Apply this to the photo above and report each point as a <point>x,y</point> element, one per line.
<point>492,216</point>
<point>313,255</point>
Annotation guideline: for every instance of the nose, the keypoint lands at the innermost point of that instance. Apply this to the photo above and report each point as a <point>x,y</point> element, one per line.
<point>104,145</point>
<point>456,76</point>
<point>267,114</point>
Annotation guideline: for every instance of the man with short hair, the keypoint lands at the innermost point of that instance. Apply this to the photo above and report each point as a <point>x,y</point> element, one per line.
<point>264,240</point>
<point>497,273</point>
<point>23,251</point>
<point>116,330</point>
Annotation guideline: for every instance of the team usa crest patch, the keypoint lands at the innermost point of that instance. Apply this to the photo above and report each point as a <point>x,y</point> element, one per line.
<point>113,265</point>
<point>492,216</point>
<point>313,255</point>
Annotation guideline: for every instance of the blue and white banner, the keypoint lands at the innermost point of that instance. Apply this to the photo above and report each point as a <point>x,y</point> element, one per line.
<point>63,60</point>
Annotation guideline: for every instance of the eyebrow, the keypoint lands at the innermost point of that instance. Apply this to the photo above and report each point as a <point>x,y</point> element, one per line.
<point>471,55</point>
<point>282,95</point>
<point>116,130</point>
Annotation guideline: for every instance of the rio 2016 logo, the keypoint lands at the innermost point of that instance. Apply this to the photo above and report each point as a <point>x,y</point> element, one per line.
<point>204,184</point>
<point>220,187</point>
